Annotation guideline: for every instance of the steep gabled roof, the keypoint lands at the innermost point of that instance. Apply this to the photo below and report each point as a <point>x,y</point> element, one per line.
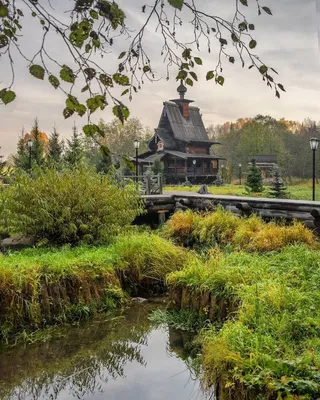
<point>191,129</point>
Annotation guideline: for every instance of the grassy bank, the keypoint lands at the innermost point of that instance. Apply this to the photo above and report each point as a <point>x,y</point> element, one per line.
<point>302,191</point>
<point>270,346</point>
<point>40,287</point>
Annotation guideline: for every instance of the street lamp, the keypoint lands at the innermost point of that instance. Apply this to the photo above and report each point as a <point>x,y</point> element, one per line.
<point>194,162</point>
<point>30,144</point>
<point>240,173</point>
<point>136,146</point>
<point>314,143</point>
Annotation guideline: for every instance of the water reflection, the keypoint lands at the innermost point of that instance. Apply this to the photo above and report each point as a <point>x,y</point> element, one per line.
<point>122,358</point>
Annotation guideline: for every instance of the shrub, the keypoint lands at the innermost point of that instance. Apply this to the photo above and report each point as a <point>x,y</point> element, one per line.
<point>71,206</point>
<point>223,228</point>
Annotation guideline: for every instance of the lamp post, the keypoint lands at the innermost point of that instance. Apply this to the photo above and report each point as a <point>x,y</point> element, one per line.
<point>240,173</point>
<point>314,143</point>
<point>136,146</point>
<point>194,162</point>
<point>30,144</point>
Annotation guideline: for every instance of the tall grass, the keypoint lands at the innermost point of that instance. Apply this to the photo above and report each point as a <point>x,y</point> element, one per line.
<point>223,228</point>
<point>45,286</point>
<point>270,347</point>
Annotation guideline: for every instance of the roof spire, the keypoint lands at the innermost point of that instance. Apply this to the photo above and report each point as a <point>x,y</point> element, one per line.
<point>181,90</point>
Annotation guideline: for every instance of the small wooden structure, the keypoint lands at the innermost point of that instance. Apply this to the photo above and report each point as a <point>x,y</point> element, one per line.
<point>265,162</point>
<point>181,142</point>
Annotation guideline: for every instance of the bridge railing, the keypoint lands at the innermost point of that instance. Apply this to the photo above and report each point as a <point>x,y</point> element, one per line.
<point>148,184</point>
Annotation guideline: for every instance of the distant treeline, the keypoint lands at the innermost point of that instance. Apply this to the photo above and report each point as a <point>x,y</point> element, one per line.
<point>288,140</point>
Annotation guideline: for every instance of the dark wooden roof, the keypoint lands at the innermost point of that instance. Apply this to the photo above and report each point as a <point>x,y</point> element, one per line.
<point>264,158</point>
<point>191,129</point>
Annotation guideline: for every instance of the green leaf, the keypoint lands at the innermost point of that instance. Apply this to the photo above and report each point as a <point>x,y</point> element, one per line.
<point>277,94</point>
<point>186,54</point>
<point>181,75</point>
<point>251,27</point>
<point>243,26</point>
<point>90,129</point>
<point>146,68</point>
<point>2,92</point>
<point>67,112</point>
<point>33,14</point>
<point>122,55</point>
<point>8,97</point>
<point>4,12</point>
<point>234,37</point>
<point>267,10</point>
<point>176,3</point>
<point>220,80</point>
<point>87,48</point>
<point>210,75</point>
<point>263,69</point>
<point>106,80</point>
<point>54,81</point>
<point>81,110</point>
<point>120,79</point>
<point>72,102</point>
<point>121,111</point>
<point>94,14</point>
<point>37,71</point>
<point>67,75</point>
<point>125,92</point>
<point>198,60</point>
<point>85,88</point>
<point>253,44</point>
<point>244,2</point>
<point>281,87</point>
<point>231,60</point>
<point>194,76</point>
<point>96,102</point>
<point>3,41</point>
<point>189,82</point>
<point>90,73</point>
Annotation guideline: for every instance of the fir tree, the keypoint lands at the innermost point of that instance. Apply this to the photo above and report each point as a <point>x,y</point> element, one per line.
<point>278,189</point>
<point>21,159</point>
<point>157,166</point>
<point>75,149</point>
<point>55,148</point>
<point>104,163</point>
<point>37,150</point>
<point>254,179</point>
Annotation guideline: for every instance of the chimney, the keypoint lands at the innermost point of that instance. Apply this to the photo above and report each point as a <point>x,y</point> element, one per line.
<point>185,110</point>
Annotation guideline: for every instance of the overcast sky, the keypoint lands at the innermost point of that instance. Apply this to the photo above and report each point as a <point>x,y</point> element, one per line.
<point>288,41</point>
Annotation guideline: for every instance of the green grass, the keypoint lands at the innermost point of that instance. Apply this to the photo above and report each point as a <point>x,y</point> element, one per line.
<point>302,191</point>
<point>271,346</point>
<point>45,286</point>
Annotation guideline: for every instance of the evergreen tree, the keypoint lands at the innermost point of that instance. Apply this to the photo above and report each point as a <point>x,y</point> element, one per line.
<point>278,189</point>
<point>254,179</point>
<point>75,148</point>
<point>2,167</point>
<point>55,148</point>
<point>21,159</point>
<point>104,163</point>
<point>157,166</point>
<point>37,150</point>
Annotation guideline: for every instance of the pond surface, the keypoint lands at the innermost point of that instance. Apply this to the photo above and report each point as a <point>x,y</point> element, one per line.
<point>121,357</point>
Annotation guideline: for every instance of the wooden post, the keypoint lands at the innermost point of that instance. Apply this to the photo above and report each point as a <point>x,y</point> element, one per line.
<point>162,216</point>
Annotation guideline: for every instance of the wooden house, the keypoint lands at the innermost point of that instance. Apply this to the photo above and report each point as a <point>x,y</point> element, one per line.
<point>266,163</point>
<point>181,142</point>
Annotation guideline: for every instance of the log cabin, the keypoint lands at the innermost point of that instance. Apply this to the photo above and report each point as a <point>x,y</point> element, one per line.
<point>181,142</point>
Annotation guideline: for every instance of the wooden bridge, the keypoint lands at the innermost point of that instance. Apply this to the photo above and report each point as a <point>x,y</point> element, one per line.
<point>165,204</point>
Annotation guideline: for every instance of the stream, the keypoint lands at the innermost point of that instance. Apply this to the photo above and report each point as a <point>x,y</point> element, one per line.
<point>120,356</point>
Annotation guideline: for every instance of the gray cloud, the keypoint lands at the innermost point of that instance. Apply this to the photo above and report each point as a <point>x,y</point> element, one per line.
<point>288,41</point>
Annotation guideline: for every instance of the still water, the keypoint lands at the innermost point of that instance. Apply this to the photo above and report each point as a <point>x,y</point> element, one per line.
<point>121,357</point>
